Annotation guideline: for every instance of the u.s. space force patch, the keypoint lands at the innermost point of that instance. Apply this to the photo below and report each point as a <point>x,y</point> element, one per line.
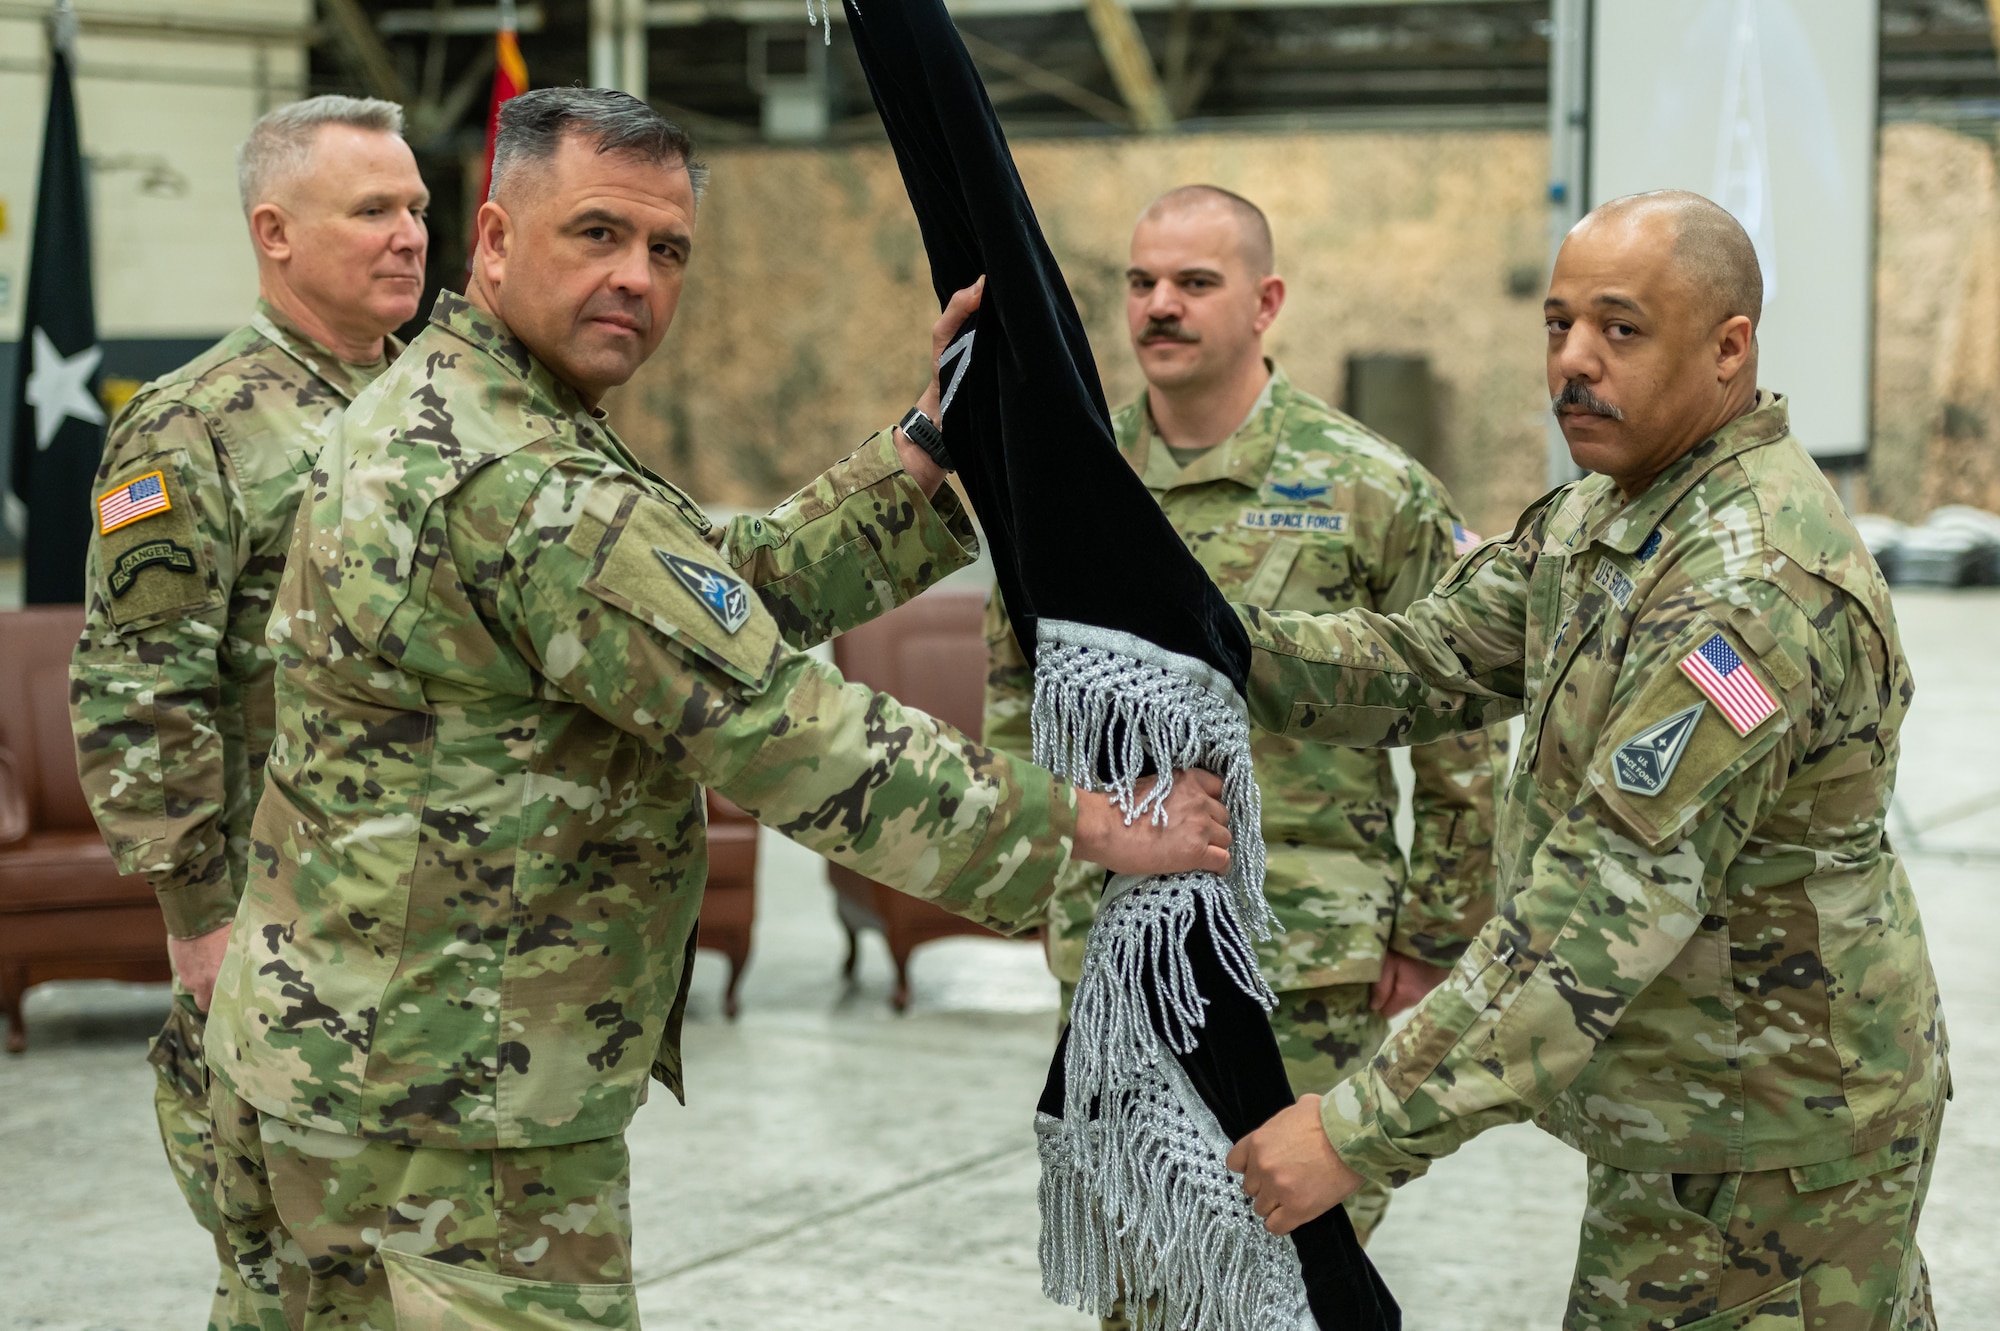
<point>1645,763</point>
<point>1613,581</point>
<point>1293,519</point>
<point>721,595</point>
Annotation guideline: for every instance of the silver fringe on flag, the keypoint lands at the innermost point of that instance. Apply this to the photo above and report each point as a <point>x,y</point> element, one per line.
<point>1137,1202</point>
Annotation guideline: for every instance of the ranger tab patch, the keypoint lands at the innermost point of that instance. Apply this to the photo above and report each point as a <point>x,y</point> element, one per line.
<point>721,595</point>
<point>1719,672</point>
<point>1644,764</point>
<point>132,501</point>
<point>126,570</point>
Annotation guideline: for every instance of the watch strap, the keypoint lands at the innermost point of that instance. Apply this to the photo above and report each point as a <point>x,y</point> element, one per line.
<point>924,433</point>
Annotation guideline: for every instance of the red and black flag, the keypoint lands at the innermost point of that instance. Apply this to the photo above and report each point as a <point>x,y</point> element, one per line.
<point>510,80</point>
<point>58,434</point>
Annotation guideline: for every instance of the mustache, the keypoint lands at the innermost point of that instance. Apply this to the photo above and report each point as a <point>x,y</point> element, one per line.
<point>636,310</point>
<point>1576,393</point>
<point>1168,330</point>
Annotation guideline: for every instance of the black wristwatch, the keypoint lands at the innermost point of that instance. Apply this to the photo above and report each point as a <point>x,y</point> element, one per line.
<point>924,433</point>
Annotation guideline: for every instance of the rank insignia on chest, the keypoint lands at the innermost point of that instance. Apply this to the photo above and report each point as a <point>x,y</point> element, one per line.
<point>132,501</point>
<point>1644,764</point>
<point>1719,673</point>
<point>721,595</point>
<point>1298,493</point>
<point>1286,519</point>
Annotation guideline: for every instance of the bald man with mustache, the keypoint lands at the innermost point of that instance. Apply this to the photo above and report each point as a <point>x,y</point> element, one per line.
<point>1708,973</point>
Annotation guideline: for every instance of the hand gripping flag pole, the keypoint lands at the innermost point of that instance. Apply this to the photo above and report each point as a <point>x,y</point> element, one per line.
<point>1139,670</point>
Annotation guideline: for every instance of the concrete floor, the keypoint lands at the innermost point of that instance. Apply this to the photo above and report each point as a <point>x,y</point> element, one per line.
<point>841,1167</point>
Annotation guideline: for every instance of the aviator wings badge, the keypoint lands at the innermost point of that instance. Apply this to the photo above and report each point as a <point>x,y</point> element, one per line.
<point>721,595</point>
<point>1644,763</point>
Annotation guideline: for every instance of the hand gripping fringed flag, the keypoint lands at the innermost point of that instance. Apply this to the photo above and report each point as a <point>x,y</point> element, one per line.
<point>1139,670</point>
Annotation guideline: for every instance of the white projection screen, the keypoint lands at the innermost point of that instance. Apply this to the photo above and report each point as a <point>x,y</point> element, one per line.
<point>1767,107</point>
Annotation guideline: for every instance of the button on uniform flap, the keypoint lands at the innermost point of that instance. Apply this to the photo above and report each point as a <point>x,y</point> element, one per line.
<point>1664,756</point>
<point>652,563</point>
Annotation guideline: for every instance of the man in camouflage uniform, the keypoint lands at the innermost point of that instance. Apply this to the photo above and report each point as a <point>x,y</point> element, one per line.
<point>1291,505</point>
<point>509,659</point>
<point>1708,974</point>
<point>202,474</point>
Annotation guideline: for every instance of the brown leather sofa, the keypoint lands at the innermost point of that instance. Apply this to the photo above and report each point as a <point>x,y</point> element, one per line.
<point>930,654</point>
<point>729,902</point>
<point>65,912</point>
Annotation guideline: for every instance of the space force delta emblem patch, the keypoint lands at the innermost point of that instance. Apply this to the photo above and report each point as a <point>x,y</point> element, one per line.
<point>721,595</point>
<point>1645,763</point>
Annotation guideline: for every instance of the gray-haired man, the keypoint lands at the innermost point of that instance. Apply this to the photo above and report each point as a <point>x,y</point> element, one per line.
<point>510,657</point>
<point>201,476</point>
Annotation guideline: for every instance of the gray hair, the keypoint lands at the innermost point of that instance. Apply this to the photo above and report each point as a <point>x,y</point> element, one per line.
<point>534,125</point>
<point>281,142</point>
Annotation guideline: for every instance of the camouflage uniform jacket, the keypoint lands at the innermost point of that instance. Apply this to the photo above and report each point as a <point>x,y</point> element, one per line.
<point>171,682</point>
<point>509,659</point>
<point>1304,508</point>
<point>1708,958</point>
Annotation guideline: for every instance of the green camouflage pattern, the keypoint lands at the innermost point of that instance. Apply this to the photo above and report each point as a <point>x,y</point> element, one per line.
<point>170,693</point>
<point>330,1230</point>
<point>1725,974</point>
<point>1304,508</point>
<point>1326,1036</point>
<point>1777,1250</point>
<point>509,660</point>
<point>180,1107</point>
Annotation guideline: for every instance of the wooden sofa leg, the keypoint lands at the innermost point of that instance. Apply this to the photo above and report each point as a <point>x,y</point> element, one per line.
<point>13,985</point>
<point>737,962</point>
<point>853,953</point>
<point>899,997</point>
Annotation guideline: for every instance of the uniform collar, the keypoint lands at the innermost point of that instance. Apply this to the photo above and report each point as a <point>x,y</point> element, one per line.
<point>1628,527</point>
<point>1244,457</point>
<point>343,378</point>
<point>462,319</point>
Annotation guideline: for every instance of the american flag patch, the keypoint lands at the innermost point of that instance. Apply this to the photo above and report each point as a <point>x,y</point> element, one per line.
<point>1719,673</point>
<point>1463,541</point>
<point>130,502</point>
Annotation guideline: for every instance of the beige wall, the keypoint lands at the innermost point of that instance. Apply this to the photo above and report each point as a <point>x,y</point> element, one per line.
<point>805,322</point>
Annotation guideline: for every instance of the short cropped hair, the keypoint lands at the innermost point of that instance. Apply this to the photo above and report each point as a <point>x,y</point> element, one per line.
<point>534,125</point>
<point>281,142</point>
<point>1258,248</point>
<point>1711,249</point>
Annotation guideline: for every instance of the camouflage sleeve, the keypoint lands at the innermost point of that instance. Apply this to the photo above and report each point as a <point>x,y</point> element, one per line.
<point>857,542</point>
<point>1614,894</point>
<point>1010,694</point>
<point>850,774</point>
<point>146,702</point>
<point>1452,663</point>
<point>1010,684</point>
<point>1449,892</point>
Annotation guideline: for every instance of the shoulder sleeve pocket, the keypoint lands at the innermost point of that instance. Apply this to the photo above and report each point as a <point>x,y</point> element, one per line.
<point>1666,758</point>
<point>649,561</point>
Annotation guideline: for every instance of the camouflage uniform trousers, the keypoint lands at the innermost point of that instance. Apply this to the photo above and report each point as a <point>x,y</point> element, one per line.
<point>1756,1251</point>
<point>330,1230</point>
<point>180,1103</point>
<point>1324,1036</point>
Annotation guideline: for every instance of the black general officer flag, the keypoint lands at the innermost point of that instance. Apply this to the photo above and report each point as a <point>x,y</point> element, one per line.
<point>1139,669</point>
<point>58,421</point>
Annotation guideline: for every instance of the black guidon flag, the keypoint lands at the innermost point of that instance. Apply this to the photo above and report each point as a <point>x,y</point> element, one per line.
<point>58,422</point>
<point>1139,669</point>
